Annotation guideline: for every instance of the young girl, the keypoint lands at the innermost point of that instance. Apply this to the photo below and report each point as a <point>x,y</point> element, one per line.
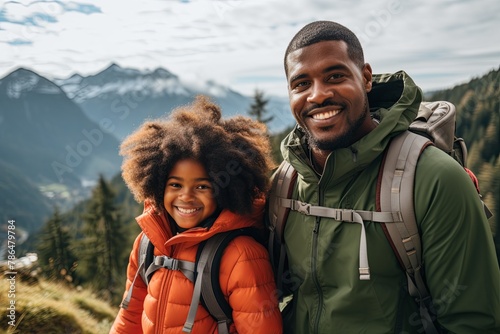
<point>199,175</point>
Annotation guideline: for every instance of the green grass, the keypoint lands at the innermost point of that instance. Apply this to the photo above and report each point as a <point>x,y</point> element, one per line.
<point>55,308</point>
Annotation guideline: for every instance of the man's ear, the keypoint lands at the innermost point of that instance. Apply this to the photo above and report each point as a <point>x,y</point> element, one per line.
<point>366,72</point>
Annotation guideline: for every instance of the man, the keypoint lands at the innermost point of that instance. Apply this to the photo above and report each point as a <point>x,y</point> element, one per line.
<point>337,149</point>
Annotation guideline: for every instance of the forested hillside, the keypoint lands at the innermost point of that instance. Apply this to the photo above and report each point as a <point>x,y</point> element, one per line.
<point>90,244</point>
<point>478,123</point>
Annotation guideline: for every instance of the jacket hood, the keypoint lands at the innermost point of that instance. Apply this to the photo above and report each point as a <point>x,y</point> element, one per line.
<point>394,100</point>
<point>157,226</point>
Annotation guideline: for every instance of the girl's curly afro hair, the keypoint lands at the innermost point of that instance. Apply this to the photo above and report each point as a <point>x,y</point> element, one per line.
<point>235,152</point>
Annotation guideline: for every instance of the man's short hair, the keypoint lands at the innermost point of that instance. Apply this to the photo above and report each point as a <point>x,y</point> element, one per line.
<point>320,31</point>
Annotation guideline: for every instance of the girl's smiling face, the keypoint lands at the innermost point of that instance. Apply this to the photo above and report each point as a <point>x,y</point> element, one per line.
<point>188,195</point>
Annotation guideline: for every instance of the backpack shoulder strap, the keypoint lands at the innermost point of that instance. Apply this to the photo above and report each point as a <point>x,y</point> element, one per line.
<point>145,256</point>
<point>207,285</point>
<point>282,188</point>
<point>395,193</point>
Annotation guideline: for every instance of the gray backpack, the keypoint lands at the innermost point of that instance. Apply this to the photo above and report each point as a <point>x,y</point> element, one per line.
<point>434,125</point>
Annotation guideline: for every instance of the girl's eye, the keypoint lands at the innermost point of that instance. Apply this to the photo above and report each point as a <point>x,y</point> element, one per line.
<point>204,186</point>
<point>175,185</point>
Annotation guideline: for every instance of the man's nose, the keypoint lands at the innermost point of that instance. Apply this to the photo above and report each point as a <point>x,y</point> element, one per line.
<point>319,93</point>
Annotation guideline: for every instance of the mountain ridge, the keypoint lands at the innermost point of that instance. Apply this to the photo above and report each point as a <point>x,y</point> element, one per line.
<point>48,140</point>
<point>129,96</point>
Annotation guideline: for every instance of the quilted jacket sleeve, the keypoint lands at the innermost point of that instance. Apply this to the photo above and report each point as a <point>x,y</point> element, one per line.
<point>460,261</point>
<point>129,320</point>
<point>248,276</point>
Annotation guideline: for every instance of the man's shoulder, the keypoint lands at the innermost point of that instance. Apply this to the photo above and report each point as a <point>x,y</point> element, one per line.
<point>438,175</point>
<point>437,162</point>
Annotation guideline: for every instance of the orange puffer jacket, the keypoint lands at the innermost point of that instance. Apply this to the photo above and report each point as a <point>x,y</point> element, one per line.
<point>246,279</point>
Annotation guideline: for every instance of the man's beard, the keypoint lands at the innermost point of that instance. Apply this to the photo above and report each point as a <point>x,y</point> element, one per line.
<point>342,141</point>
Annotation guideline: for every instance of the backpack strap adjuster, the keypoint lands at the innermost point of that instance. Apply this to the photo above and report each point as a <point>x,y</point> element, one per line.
<point>166,262</point>
<point>163,261</point>
<point>345,216</point>
<point>304,208</point>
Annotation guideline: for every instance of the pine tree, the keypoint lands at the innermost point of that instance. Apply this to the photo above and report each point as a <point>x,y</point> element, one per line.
<point>54,249</point>
<point>258,107</point>
<point>103,249</point>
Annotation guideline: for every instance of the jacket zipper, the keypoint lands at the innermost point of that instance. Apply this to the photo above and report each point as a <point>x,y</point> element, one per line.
<point>314,262</point>
<point>162,296</point>
<point>314,251</point>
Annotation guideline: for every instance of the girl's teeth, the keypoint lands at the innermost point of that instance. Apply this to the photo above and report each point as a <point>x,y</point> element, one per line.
<point>186,210</point>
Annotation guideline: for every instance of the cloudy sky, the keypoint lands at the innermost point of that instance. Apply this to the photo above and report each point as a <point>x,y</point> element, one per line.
<point>240,43</point>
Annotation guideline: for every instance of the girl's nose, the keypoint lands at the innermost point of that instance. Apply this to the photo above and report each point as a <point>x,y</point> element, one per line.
<point>186,194</point>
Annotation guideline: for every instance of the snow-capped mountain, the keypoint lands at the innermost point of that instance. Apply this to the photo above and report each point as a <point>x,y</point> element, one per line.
<point>115,79</point>
<point>126,97</point>
<point>47,136</point>
<point>22,82</point>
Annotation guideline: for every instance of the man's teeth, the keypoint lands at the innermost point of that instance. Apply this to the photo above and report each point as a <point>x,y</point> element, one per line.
<point>326,114</point>
<point>186,211</point>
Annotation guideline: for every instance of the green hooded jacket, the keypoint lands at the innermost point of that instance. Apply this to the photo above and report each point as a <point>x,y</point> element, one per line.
<point>460,264</point>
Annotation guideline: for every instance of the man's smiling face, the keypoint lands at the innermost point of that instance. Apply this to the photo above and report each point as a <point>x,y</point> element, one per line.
<point>328,94</point>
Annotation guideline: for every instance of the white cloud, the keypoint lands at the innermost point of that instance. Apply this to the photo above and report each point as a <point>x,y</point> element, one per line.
<point>240,43</point>
<point>19,11</point>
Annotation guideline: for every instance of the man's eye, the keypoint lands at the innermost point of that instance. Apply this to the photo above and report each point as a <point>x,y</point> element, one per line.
<point>301,85</point>
<point>336,76</point>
